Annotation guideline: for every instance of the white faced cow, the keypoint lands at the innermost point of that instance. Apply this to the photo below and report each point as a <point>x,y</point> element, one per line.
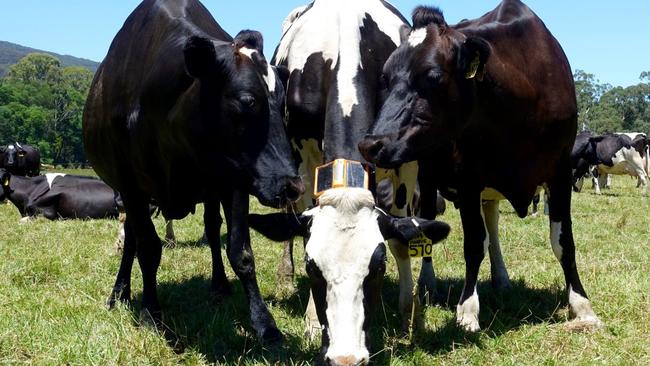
<point>334,51</point>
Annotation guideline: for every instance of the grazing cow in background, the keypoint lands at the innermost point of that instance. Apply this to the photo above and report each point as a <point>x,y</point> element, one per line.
<point>20,159</point>
<point>59,196</point>
<point>177,97</point>
<point>579,166</point>
<point>461,99</point>
<point>615,154</point>
<point>335,51</point>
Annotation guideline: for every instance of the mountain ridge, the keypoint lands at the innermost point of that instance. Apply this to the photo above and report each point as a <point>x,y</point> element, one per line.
<point>11,53</point>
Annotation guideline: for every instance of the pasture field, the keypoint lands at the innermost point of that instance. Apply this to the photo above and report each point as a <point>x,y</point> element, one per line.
<point>55,276</point>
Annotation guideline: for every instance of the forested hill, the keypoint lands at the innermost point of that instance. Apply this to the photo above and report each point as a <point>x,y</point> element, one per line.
<point>10,53</point>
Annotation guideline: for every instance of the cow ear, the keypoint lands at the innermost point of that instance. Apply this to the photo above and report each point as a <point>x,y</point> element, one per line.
<point>200,57</point>
<point>283,74</point>
<point>473,57</point>
<point>404,31</point>
<point>405,229</point>
<point>280,226</point>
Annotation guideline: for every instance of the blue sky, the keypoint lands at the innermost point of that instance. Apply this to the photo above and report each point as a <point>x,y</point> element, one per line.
<point>608,39</point>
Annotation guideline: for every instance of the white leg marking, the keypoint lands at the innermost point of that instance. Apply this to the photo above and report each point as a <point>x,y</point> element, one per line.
<point>312,324</point>
<point>556,231</point>
<point>581,309</point>
<point>467,313</point>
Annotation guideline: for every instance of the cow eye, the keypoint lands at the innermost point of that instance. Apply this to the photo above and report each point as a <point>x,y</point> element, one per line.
<point>247,101</point>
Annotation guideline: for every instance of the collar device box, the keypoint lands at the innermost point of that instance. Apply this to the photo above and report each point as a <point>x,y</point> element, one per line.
<point>340,173</point>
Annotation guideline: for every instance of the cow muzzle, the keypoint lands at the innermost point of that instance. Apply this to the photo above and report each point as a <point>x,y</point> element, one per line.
<point>382,151</point>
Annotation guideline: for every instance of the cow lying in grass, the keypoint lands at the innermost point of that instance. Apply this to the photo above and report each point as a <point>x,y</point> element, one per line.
<point>59,196</point>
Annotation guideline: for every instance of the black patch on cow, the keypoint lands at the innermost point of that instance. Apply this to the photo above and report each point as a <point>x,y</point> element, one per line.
<point>425,15</point>
<point>372,285</point>
<point>400,196</point>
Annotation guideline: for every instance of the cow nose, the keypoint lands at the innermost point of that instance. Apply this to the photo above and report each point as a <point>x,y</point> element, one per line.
<point>295,188</point>
<point>346,361</point>
<point>370,147</point>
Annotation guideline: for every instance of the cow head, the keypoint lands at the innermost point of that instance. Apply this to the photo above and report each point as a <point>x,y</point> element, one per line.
<point>14,155</point>
<point>241,104</point>
<point>431,78</point>
<point>346,259</point>
<point>5,180</point>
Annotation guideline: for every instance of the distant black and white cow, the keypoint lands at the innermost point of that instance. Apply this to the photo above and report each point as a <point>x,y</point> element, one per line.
<point>617,154</point>
<point>182,113</point>
<point>463,97</point>
<point>59,196</point>
<point>335,51</point>
<point>20,159</point>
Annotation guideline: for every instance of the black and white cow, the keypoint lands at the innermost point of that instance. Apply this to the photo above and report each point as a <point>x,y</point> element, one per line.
<point>20,159</point>
<point>59,196</point>
<point>617,154</point>
<point>579,166</point>
<point>335,51</point>
<point>182,113</point>
<point>463,97</point>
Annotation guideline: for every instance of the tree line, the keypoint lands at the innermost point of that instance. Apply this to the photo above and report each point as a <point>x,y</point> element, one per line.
<point>41,104</point>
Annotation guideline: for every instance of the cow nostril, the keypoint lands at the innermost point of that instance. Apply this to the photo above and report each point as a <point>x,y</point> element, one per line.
<point>345,361</point>
<point>295,188</point>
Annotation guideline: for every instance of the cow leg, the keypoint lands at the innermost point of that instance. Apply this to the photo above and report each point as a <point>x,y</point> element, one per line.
<point>535,209</point>
<point>122,288</point>
<point>212,222</point>
<point>476,243</point>
<point>642,180</point>
<point>170,237</point>
<point>498,271</point>
<point>427,284</point>
<point>563,246</point>
<point>118,246</point>
<point>312,324</point>
<point>406,306</point>
<point>240,255</point>
<point>596,183</point>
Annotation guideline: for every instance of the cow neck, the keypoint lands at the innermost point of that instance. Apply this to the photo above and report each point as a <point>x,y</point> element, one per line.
<point>18,191</point>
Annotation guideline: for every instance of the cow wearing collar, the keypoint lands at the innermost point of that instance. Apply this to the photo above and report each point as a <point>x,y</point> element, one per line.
<point>463,97</point>
<point>335,51</point>
<point>177,96</point>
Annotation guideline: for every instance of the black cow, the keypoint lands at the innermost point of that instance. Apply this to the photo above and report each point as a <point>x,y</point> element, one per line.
<point>335,52</point>
<point>579,166</point>
<point>59,196</point>
<point>181,113</point>
<point>20,159</point>
<point>488,108</point>
<point>613,153</point>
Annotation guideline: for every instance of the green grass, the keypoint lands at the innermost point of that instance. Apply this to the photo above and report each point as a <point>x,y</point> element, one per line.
<point>55,277</point>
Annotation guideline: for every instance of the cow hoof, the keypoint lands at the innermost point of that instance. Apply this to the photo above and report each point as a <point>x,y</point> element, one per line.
<point>499,283</point>
<point>221,291</point>
<point>121,293</point>
<point>468,323</point>
<point>150,319</point>
<point>272,337</point>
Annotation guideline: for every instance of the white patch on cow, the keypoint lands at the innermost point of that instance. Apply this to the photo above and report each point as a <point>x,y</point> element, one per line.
<point>467,313</point>
<point>417,37</point>
<point>498,271</point>
<point>344,236</point>
<point>10,147</point>
<point>581,308</point>
<point>26,219</point>
<point>293,15</point>
<point>51,176</point>
<point>486,240</point>
<point>556,231</point>
<point>307,35</point>
<point>626,161</point>
<point>269,78</point>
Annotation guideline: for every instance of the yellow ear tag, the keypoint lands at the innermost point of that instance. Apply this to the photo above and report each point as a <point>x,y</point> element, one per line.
<point>6,183</point>
<point>473,67</point>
